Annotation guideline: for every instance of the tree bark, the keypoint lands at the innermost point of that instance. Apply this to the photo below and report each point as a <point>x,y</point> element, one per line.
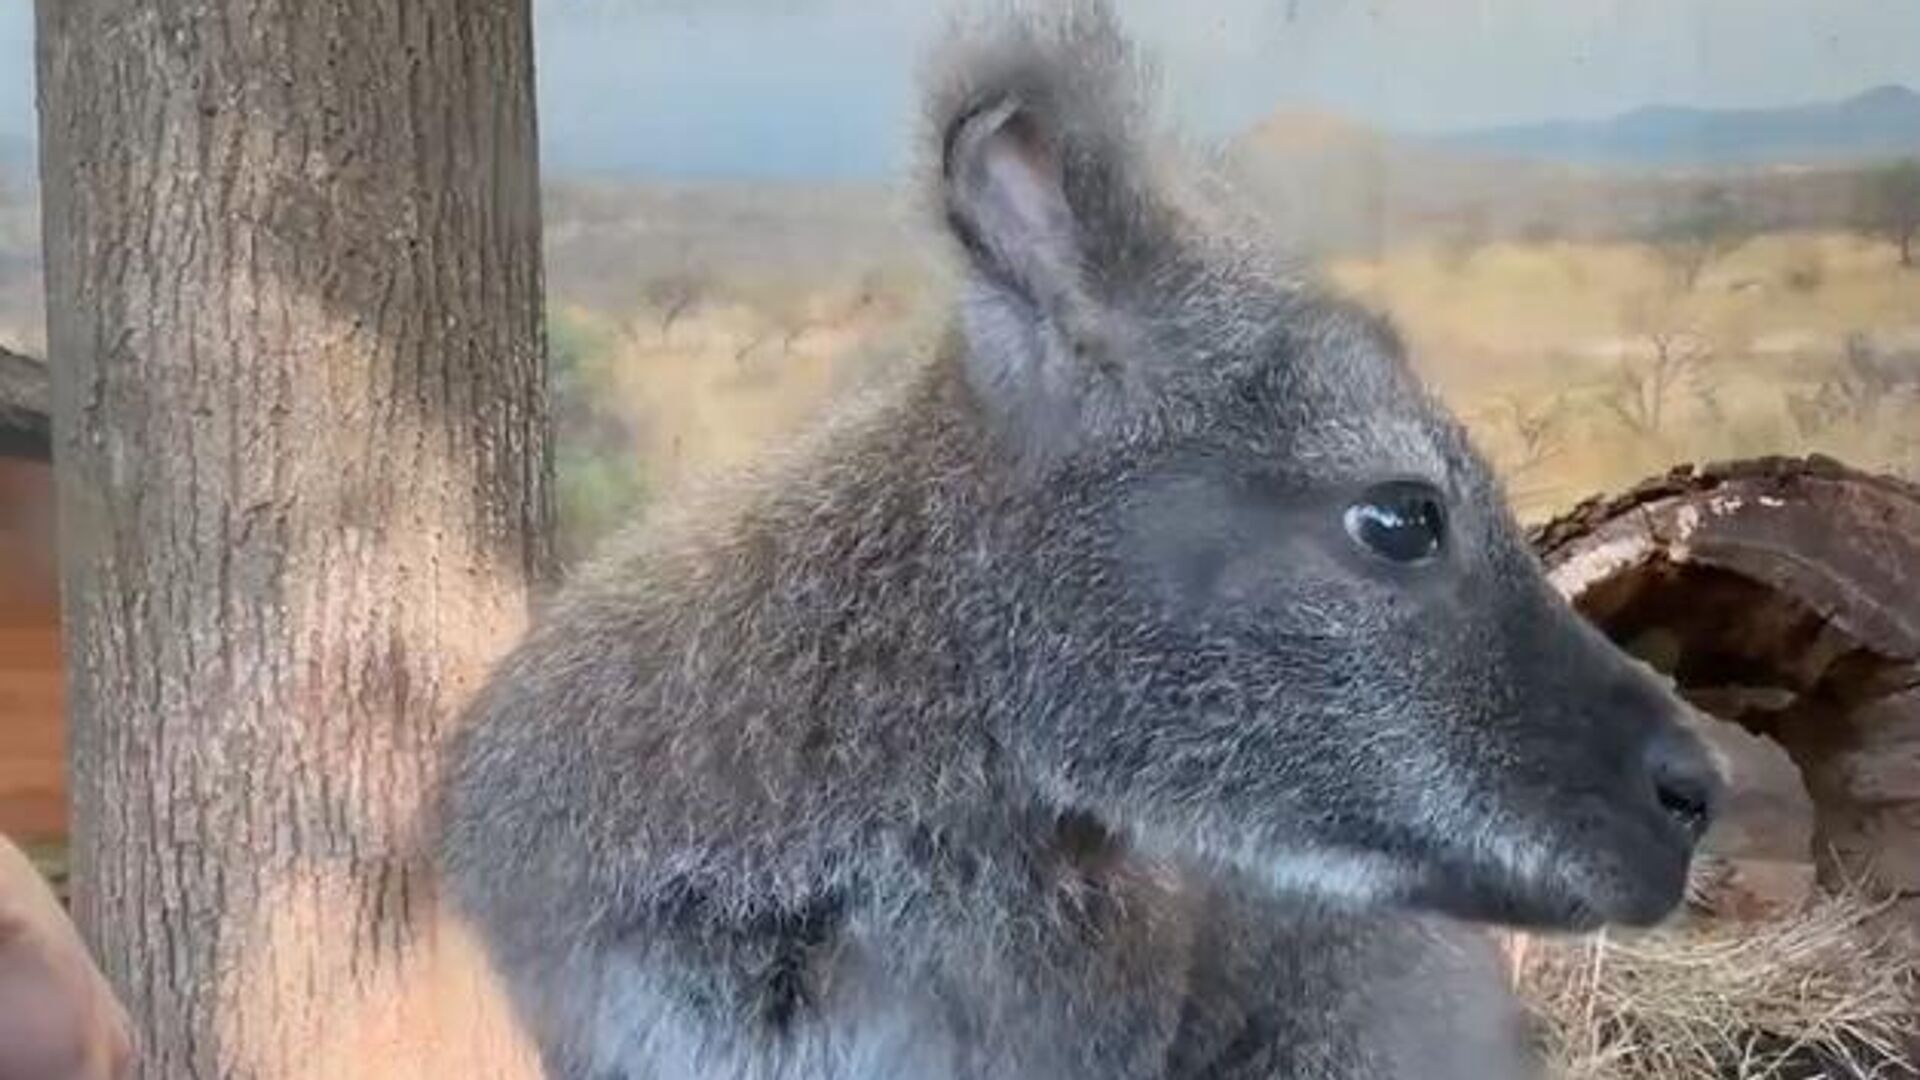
<point>293,275</point>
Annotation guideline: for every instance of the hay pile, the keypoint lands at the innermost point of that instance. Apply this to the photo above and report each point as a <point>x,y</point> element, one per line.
<point>1829,993</point>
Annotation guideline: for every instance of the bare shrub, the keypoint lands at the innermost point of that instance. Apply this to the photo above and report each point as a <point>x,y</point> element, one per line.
<point>1537,427</point>
<point>671,295</point>
<point>1709,227</point>
<point>1806,269</point>
<point>1643,386</point>
<point>1889,206</point>
<point>1867,381</point>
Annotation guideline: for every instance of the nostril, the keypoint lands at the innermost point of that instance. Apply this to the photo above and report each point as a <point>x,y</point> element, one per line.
<point>1684,781</point>
<point>1688,803</point>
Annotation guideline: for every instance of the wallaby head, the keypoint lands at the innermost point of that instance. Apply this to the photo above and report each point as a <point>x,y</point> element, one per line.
<point>1266,603</point>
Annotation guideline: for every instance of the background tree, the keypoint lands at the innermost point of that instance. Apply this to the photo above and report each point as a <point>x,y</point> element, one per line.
<point>1890,206</point>
<point>676,291</point>
<point>598,479</point>
<point>1709,227</point>
<point>1669,352</point>
<point>293,271</point>
<point>672,295</point>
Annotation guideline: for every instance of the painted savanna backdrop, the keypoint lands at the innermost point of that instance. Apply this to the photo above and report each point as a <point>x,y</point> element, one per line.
<point>1619,234</point>
<point>1617,239</point>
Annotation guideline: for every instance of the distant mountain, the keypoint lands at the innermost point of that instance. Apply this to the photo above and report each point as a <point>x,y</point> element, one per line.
<point>1328,185</point>
<point>1879,124</point>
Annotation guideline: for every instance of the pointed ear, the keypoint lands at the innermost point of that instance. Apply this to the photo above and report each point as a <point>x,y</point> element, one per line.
<point>1007,204</point>
<point>1040,183</point>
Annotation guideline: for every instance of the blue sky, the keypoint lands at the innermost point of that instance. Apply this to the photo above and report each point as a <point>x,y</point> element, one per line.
<point>823,88</point>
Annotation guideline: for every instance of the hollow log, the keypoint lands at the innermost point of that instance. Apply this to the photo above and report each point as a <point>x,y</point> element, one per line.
<point>1782,594</point>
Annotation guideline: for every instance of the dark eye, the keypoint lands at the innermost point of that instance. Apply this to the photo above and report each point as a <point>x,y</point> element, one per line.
<point>1401,521</point>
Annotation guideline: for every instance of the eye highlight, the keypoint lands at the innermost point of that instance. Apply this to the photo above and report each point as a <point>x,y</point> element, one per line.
<point>1402,521</point>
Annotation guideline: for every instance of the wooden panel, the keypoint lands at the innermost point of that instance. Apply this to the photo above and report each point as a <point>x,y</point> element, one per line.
<point>33,788</point>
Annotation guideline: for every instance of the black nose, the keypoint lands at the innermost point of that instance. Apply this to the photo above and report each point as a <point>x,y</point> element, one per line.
<point>1684,780</point>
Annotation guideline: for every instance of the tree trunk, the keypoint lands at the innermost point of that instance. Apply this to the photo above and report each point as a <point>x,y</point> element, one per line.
<point>292,253</point>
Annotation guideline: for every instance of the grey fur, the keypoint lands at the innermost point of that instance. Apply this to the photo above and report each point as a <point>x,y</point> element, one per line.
<point>1042,720</point>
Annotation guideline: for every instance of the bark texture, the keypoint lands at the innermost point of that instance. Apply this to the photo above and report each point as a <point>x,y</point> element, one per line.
<point>293,277</point>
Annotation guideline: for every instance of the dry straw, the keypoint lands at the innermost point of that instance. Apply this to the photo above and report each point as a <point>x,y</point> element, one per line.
<point>1828,993</point>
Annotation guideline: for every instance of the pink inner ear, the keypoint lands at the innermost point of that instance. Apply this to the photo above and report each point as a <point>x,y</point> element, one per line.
<point>1021,136</point>
<point>1023,174</point>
